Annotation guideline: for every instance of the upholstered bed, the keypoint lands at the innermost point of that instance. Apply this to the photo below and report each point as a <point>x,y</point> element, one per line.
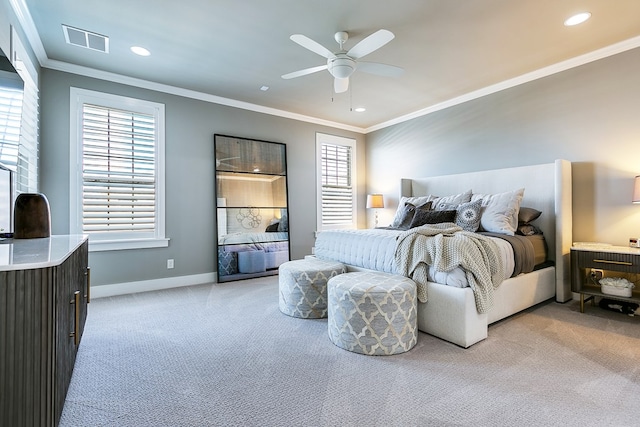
<point>451,310</point>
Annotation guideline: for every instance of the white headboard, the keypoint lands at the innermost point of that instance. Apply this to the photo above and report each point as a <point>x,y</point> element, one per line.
<point>547,188</point>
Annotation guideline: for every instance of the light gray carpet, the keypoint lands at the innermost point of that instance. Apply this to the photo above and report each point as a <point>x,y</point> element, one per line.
<point>223,355</point>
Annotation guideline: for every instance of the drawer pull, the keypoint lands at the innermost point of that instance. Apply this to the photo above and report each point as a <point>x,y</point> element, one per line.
<point>76,318</point>
<point>88,280</point>
<point>604,261</point>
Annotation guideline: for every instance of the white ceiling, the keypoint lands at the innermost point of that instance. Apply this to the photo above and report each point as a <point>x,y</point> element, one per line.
<point>450,49</point>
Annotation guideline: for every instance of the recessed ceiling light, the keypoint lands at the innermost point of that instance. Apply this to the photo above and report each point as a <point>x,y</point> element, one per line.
<point>140,51</point>
<point>360,110</point>
<point>576,19</point>
<point>264,88</point>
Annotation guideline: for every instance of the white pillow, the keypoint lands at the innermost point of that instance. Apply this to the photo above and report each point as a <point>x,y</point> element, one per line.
<point>455,199</point>
<point>499,212</point>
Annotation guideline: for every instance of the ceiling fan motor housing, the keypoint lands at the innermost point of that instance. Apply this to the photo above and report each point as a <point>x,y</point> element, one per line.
<point>342,66</point>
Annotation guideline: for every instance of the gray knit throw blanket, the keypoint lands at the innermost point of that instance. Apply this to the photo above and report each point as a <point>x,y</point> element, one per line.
<point>446,246</point>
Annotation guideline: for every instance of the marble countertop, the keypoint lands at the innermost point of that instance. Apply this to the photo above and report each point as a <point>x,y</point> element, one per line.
<point>604,247</point>
<point>23,254</point>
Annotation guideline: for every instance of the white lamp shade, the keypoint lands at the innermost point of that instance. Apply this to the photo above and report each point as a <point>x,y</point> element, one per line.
<point>636,190</point>
<point>375,201</point>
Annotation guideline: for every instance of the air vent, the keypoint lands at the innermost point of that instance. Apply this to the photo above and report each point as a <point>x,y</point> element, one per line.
<point>84,38</point>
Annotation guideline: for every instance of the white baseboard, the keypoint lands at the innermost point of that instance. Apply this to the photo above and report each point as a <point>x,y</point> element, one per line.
<point>151,285</point>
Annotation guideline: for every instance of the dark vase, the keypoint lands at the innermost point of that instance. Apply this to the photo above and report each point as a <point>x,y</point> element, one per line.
<point>32,218</point>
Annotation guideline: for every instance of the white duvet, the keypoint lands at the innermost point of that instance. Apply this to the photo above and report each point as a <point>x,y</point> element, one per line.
<point>374,249</point>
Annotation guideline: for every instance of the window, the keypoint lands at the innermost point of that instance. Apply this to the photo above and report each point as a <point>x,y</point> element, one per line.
<point>336,182</point>
<point>117,171</point>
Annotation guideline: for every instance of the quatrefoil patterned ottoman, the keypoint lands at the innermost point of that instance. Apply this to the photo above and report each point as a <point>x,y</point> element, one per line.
<point>373,313</point>
<point>303,286</point>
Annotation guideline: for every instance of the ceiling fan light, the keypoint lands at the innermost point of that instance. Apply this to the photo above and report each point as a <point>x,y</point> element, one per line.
<point>341,68</point>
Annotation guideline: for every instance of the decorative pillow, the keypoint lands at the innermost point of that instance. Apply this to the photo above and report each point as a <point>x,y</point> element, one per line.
<point>526,215</point>
<point>272,227</point>
<point>415,201</point>
<point>500,211</point>
<point>454,199</point>
<point>405,214</point>
<point>422,217</point>
<point>467,215</point>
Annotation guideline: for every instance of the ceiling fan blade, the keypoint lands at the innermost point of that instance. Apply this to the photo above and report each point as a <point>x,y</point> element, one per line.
<point>341,85</point>
<point>313,46</point>
<point>304,72</point>
<point>373,42</point>
<point>380,69</point>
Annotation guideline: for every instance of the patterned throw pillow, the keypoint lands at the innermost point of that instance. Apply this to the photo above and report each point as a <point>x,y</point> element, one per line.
<point>439,203</point>
<point>468,215</point>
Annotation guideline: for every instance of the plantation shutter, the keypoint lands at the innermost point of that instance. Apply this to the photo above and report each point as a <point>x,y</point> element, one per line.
<point>118,171</point>
<point>337,191</point>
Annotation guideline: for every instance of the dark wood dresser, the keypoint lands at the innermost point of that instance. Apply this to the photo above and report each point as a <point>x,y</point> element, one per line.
<point>44,291</point>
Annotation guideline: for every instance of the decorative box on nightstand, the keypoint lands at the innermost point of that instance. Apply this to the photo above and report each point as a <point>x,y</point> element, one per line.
<point>590,260</point>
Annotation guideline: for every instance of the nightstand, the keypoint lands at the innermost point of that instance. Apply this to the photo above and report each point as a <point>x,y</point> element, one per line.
<point>588,256</point>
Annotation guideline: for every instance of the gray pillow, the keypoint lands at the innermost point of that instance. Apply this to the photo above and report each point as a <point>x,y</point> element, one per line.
<point>415,201</point>
<point>526,215</point>
<point>405,215</point>
<point>422,217</point>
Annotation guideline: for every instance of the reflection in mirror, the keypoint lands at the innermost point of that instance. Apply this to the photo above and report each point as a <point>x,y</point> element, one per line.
<point>11,96</point>
<point>251,204</point>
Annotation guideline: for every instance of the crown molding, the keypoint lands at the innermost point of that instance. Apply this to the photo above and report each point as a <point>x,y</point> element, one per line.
<point>559,67</point>
<point>29,27</point>
<point>187,93</point>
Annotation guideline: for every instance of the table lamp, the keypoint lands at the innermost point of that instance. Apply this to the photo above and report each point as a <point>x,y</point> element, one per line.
<point>376,201</point>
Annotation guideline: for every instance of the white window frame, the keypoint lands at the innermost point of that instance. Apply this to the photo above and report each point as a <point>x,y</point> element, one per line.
<point>97,242</point>
<point>321,139</point>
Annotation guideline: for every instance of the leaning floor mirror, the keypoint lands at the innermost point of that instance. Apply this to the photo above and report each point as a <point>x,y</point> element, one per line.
<point>251,207</point>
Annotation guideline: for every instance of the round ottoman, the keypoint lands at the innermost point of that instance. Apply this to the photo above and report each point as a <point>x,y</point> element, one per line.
<point>303,286</point>
<point>373,313</point>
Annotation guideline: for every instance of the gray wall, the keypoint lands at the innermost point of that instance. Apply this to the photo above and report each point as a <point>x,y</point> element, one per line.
<point>190,217</point>
<point>589,115</point>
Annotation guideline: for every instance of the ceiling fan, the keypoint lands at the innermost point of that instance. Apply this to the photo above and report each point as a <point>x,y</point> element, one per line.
<point>343,63</point>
